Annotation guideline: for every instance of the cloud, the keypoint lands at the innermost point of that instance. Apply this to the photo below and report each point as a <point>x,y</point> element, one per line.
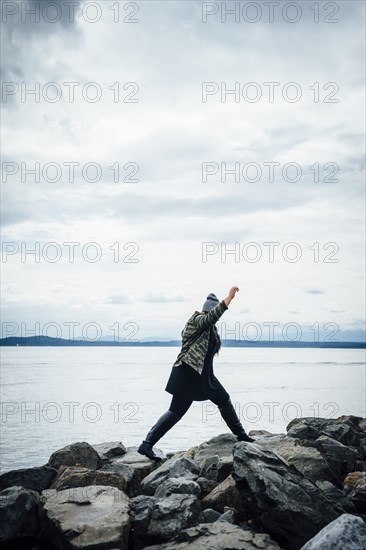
<point>26,22</point>
<point>118,299</point>
<point>162,298</point>
<point>169,133</point>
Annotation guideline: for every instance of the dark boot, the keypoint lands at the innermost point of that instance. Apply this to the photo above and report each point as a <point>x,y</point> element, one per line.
<point>228,413</point>
<point>165,422</point>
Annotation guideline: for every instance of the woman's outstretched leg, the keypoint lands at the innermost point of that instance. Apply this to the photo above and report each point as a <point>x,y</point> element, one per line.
<point>232,420</point>
<point>178,407</point>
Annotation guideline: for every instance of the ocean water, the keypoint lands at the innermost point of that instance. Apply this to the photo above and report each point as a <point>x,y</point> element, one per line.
<point>51,396</point>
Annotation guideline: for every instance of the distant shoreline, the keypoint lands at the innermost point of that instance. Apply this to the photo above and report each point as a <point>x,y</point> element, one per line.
<point>45,341</point>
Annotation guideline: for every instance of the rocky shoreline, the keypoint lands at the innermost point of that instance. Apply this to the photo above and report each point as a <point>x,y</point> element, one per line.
<point>305,489</point>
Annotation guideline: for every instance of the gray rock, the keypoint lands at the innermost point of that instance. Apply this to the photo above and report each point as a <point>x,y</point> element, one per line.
<point>184,467</point>
<point>178,485</point>
<point>133,457</point>
<point>308,460</point>
<point>312,428</point>
<point>337,496</point>
<point>110,449</point>
<point>172,514</point>
<point>133,467</point>
<point>347,532</point>
<point>215,468</point>
<point>220,445</point>
<point>157,520</point>
<point>341,459</point>
<point>18,513</point>
<point>85,517</point>
<point>210,515</point>
<point>227,494</point>
<point>282,501</point>
<point>213,457</point>
<point>228,516</point>
<point>173,467</point>
<point>140,513</point>
<point>289,486</point>
<point>76,454</point>
<point>69,477</point>
<point>357,422</point>
<point>218,536</point>
<point>125,470</point>
<point>36,479</point>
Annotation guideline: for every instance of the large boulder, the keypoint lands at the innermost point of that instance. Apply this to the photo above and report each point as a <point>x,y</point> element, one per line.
<point>133,466</point>
<point>323,459</point>
<point>69,477</point>
<point>220,445</point>
<point>282,501</point>
<point>109,449</point>
<point>158,520</point>
<point>341,459</point>
<point>347,532</point>
<point>36,479</point>
<point>219,536</point>
<point>18,513</point>
<point>76,454</point>
<point>357,422</point>
<point>173,513</point>
<point>343,430</point>
<point>308,460</point>
<point>85,517</point>
<point>173,467</point>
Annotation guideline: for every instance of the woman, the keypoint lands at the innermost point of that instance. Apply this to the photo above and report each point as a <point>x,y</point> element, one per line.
<point>192,377</point>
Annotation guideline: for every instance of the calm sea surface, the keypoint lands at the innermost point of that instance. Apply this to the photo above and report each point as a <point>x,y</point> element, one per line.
<point>51,397</point>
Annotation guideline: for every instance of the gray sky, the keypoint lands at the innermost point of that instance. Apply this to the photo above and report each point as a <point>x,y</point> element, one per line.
<point>164,218</point>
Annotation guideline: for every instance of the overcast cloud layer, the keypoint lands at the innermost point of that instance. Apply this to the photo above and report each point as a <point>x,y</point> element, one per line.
<point>162,221</point>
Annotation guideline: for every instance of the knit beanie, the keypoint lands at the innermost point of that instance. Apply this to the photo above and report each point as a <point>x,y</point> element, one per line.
<point>210,302</point>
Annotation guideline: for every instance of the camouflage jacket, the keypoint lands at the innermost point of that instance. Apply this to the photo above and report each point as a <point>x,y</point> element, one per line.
<point>195,337</point>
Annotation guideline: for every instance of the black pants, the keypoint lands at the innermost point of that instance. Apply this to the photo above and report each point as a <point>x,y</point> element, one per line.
<point>180,406</point>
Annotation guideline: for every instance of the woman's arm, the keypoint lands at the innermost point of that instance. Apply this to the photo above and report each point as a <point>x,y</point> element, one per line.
<point>231,295</point>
